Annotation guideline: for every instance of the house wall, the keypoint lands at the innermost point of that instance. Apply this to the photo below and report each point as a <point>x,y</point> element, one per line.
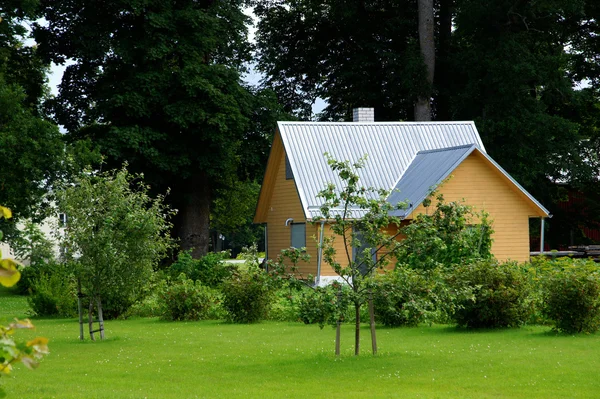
<point>487,189</point>
<point>284,203</point>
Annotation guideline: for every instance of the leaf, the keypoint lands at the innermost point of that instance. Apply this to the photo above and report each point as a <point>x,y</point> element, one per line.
<point>5,212</point>
<point>9,275</point>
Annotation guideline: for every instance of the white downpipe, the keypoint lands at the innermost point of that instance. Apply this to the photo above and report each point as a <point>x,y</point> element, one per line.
<point>542,237</point>
<point>320,257</point>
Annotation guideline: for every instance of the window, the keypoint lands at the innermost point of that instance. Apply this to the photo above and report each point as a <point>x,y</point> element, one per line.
<point>298,235</point>
<point>62,219</point>
<point>288,169</point>
<point>358,253</point>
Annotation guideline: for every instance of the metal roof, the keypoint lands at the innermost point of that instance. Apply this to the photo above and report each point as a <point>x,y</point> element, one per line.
<point>390,147</point>
<point>425,173</point>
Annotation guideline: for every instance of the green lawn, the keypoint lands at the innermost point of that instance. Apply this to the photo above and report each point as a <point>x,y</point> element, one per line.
<point>148,358</point>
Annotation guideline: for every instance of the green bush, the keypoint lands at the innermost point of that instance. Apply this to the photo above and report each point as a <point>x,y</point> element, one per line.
<point>317,306</point>
<point>211,269</point>
<point>185,299</point>
<point>29,274</point>
<point>248,295</point>
<point>54,294</point>
<point>406,297</point>
<point>501,294</point>
<point>285,305</point>
<point>571,295</point>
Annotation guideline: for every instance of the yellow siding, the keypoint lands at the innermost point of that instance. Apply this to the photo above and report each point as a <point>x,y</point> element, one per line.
<point>487,189</point>
<point>283,204</point>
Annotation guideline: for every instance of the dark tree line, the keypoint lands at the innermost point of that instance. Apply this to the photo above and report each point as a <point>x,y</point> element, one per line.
<point>157,84</point>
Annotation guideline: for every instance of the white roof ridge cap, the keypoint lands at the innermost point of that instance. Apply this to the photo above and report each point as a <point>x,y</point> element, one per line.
<point>376,123</point>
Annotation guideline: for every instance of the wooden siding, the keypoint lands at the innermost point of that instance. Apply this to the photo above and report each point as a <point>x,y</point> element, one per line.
<point>281,204</point>
<point>485,188</point>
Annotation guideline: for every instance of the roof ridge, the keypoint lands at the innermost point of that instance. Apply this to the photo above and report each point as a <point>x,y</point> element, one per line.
<point>375,123</point>
<point>447,149</point>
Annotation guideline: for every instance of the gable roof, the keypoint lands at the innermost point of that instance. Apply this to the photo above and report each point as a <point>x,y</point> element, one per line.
<point>430,168</point>
<point>390,147</point>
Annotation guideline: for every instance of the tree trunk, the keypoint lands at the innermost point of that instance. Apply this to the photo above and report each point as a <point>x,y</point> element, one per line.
<point>194,216</point>
<point>357,330</point>
<point>444,74</point>
<point>427,45</point>
<point>100,318</point>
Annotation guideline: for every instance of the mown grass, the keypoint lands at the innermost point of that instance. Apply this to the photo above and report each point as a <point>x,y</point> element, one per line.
<point>149,358</point>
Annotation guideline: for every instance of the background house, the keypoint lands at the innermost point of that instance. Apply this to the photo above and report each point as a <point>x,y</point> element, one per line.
<point>412,157</point>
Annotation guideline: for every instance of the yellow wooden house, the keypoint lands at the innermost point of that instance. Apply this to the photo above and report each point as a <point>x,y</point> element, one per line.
<point>407,157</point>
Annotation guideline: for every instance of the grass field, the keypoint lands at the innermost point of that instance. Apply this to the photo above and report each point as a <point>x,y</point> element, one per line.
<point>147,358</point>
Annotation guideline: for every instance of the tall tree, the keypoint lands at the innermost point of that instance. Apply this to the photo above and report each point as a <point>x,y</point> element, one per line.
<point>157,83</point>
<point>349,52</point>
<point>427,45</point>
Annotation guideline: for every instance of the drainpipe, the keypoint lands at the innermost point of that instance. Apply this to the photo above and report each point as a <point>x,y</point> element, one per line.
<point>320,257</point>
<point>542,238</point>
<point>542,235</point>
<point>266,246</point>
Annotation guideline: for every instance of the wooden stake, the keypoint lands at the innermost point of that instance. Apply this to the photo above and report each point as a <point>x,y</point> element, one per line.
<point>100,318</point>
<point>372,322</point>
<point>91,319</point>
<point>80,309</point>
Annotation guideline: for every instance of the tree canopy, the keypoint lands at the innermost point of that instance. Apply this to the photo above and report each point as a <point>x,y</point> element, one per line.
<point>157,84</point>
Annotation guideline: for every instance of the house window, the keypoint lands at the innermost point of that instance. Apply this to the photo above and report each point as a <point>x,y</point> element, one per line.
<point>298,235</point>
<point>62,219</point>
<point>288,169</point>
<point>358,253</point>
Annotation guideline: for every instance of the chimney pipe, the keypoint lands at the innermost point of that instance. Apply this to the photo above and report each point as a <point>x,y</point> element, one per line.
<point>363,115</point>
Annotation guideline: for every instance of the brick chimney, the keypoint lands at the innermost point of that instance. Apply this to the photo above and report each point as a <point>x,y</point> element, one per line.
<point>363,115</point>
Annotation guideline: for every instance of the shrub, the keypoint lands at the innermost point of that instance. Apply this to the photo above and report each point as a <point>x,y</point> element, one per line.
<point>405,297</point>
<point>31,273</point>
<point>501,294</point>
<point>571,296</point>
<point>248,295</point>
<point>285,305</point>
<point>54,294</point>
<point>211,269</point>
<point>185,299</point>
<point>317,306</point>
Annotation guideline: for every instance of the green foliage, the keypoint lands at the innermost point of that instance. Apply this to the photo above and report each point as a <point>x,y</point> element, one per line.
<point>33,245</point>
<point>185,299</point>
<point>310,49</point>
<point>210,270</point>
<point>408,297</point>
<point>116,235</point>
<point>54,294</point>
<point>454,233</point>
<point>165,95</point>
<point>318,306</point>
<point>571,295</point>
<point>501,294</point>
<point>248,295</point>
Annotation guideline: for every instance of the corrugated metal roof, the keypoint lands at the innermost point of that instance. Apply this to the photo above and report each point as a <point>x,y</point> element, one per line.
<point>424,174</point>
<point>390,147</point>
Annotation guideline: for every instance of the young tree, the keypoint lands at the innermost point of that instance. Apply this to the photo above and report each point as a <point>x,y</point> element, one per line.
<point>359,218</point>
<point>116,233</point>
